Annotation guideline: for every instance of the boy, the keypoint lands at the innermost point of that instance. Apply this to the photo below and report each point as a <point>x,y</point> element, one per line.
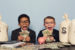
<point>24,22</point>
<point>49,32</point>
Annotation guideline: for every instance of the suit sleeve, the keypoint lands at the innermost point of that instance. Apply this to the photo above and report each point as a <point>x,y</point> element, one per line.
<point>57,36</point>
<point>14,36</point>
<point>33,37</point>
<point>40,35</point>
<point>57,39</point>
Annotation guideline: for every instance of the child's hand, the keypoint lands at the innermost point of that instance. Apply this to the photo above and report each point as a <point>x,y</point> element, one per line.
<point>52,38</point>
<point>41,40</point>
<point>27,38</point>
<point>20,37</point>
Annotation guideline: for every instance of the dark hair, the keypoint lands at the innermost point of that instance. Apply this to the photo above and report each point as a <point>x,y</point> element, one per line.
<point>49,17</point>
<point>23,15</point>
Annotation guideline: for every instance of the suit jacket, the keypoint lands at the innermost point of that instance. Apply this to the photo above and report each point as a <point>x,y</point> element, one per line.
<point>55,34</point>
<point>15,34</point>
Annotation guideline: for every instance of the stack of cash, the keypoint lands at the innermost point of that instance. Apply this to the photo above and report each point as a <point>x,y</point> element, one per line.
<point>47,34</point>
<point>24,34</point>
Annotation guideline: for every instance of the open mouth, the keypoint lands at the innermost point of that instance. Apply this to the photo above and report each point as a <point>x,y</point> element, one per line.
<point>24,27</point>
<point>50,28</point>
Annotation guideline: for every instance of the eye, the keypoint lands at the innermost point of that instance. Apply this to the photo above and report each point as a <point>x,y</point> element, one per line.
<point>49,22</point>
<point>24,21</point>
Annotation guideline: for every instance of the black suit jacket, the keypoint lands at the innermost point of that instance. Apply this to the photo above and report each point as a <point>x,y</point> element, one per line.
<point>55,34</point>
<point>15,34</point>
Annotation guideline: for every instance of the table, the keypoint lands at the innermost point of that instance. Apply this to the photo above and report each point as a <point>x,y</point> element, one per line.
<point>65,48</point>
<point>41,47</point>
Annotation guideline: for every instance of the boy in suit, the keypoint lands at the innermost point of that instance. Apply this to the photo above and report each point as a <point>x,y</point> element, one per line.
<point>49,32</point>
<point>23,22</point>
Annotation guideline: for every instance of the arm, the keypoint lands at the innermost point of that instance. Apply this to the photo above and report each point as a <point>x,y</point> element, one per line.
<point>40,35</point>
<point>14,36</point>
<point>57,36</point>
<point>33,37</point>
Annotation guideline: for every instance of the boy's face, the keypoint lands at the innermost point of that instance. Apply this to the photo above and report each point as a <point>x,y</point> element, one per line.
<point>49,24</point>
<point>24,23</point>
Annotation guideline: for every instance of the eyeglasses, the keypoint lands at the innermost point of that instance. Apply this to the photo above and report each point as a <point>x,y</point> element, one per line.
<point>49,22</point>
<point>24,21</point>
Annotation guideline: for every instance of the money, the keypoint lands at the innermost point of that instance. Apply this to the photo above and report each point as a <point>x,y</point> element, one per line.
<point>48,34</point>
<point>24,34</point>
<point>54,45</point>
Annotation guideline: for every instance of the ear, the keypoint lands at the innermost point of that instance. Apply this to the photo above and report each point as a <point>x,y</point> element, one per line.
<point>44,24</point>
<point>19,24</point>
<point>55,24</point>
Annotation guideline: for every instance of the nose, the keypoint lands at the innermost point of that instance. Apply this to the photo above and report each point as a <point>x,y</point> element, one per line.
<point>49,24</point>
<point>24,24</point>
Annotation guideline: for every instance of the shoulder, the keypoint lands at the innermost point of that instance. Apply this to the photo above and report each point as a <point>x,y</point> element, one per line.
<point>56,31</point>
<point>31,31</point>
<point>17,30</point>
<point>40,32</point>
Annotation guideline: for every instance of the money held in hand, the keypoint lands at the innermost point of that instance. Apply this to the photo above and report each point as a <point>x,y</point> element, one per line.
<point>24,34</point>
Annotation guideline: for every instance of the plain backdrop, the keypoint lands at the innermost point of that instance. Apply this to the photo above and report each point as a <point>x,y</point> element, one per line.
<point>37,10</point>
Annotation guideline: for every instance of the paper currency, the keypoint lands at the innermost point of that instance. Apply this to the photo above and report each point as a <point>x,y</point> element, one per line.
<point>24,34</point>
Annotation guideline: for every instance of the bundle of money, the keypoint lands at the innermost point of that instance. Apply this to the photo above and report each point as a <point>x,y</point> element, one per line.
<point>48,34</point>
<point>24,34</point>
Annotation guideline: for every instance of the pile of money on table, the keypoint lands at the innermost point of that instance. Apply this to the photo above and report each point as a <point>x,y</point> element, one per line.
<point>55,45</point>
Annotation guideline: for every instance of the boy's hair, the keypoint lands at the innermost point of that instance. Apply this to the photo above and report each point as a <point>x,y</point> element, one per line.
<point>49,17</point>
<point>23,15</point>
